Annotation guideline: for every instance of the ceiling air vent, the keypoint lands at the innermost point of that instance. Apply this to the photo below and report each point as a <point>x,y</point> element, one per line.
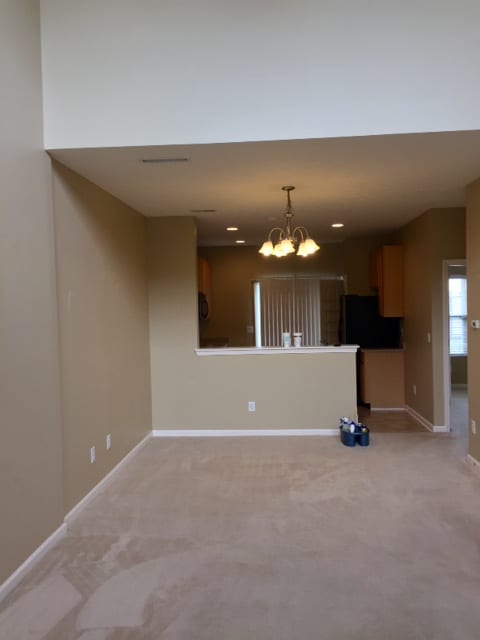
<point>164,160</point>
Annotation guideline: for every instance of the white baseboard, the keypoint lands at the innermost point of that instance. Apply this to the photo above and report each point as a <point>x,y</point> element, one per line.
<point>74,512</point>
<point>221,433</point>
<point>473,463</point>
<point>419,418</point>
<point>435,428</point>
<point>12,581</point>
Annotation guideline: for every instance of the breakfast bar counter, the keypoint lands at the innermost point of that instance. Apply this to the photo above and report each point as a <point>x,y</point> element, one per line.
<point>275,351</point>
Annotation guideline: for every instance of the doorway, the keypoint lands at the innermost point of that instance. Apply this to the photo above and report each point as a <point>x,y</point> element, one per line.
<point>456,348</point>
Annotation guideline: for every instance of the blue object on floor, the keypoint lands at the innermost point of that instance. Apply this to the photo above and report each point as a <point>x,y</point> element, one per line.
<point>363,439</point>
<point>348,439</point>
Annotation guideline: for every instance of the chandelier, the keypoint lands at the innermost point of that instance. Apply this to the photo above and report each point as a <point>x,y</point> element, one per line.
<point>289,240</point>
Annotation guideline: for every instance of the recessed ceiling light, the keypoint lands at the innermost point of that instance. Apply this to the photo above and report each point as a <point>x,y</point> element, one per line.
<point>240,241</point>
<point>232,228</point>
<point>337,225</point>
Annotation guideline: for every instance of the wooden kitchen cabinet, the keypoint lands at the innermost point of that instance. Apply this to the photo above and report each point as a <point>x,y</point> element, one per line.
<point>204,288</point>
<point>382,378</point>
<point>386,275</point>
<point>203,275</point>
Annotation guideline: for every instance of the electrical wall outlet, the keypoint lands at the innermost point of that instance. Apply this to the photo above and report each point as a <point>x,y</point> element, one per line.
<point>92,455</point>
<point>474,427</point>
<point>108,441</point>
<point>414,389</point>
<point>251,406</point>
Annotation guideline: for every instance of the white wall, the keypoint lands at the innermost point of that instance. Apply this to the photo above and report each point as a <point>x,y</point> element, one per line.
<point>119,73</point>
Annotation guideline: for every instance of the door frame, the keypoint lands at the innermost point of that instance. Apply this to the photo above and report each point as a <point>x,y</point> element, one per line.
<point>446,347</point>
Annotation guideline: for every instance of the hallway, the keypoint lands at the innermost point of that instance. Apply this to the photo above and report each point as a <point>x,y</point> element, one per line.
<point>459,419</point>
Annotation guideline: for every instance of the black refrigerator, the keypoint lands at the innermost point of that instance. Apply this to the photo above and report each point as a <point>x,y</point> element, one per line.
<point>361,323</point>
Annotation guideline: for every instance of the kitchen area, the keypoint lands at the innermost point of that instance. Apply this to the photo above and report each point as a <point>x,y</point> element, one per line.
<point>371,318</point>
<point>375,323</point>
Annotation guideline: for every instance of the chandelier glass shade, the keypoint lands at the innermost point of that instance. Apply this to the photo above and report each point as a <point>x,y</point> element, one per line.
<point>283,242</point>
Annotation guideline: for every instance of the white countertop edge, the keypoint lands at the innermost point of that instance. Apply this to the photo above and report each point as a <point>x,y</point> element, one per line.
<point>363,349</point>
<point>275,351</point>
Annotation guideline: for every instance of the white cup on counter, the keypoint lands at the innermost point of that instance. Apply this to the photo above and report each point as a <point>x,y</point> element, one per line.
<point>297,339</point>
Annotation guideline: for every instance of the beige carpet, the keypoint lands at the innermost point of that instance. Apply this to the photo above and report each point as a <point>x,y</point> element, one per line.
<point>267,538</point>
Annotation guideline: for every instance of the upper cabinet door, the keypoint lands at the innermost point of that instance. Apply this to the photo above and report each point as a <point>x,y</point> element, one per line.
<point>204,287</point>
<point>386,274</point>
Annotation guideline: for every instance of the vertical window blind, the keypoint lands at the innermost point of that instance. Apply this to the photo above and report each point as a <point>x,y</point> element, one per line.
<point>306,304</point>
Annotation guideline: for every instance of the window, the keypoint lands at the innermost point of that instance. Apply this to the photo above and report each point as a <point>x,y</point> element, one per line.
<point>308,304</point>
<point>457,311</point>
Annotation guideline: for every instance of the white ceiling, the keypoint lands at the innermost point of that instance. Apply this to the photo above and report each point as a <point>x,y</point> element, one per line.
<point>372,184</point>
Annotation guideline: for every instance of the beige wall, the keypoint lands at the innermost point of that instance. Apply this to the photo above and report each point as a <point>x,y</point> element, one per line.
<point>418,317</point>
<point>449,242</point>
<point>201,392</point>
<point>356,255</point>
<point>31,501</point>
<point>173,319</point>
<point>437,235</point>
<point>102,276</point>
<point>473,275</point>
